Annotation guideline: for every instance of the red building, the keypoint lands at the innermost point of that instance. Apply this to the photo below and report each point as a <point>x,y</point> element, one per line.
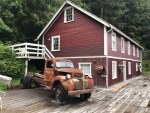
<point>94,45</point>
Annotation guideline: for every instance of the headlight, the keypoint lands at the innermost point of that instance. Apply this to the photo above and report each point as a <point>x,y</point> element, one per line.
<point>68,76</point>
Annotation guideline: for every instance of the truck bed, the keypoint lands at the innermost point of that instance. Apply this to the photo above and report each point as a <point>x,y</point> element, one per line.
<point>39,75</point>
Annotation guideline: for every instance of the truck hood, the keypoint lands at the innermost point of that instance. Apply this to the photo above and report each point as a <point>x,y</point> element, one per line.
<point>69,70</point>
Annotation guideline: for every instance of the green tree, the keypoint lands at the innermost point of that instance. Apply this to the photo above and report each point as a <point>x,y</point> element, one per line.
<point>9,65</point>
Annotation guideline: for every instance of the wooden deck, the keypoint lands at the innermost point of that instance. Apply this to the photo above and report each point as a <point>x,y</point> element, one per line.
<point>132,98</point>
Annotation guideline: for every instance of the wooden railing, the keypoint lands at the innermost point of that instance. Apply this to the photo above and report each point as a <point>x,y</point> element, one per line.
<point>31,51</point>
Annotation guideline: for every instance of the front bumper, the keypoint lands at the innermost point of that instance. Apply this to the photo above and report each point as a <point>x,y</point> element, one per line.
<point>76,92</point>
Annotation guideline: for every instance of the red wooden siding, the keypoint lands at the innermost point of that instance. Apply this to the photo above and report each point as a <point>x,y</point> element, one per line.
<point>119,73</point>
<point>98,79</point>
<point>118,53</point>
<point>82,37</point>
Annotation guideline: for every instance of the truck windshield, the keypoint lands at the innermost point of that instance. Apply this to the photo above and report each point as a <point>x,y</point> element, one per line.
<point>64,64</point>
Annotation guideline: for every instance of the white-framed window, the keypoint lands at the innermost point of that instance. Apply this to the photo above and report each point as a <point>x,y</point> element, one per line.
<point>122,45</point>
<point>55,43</point>
<point>129,68</point>
<point>114,69</point>
<point>133,50</point>
<point>136,66</point>
<point>140,67</point>
<point>113,40</point>
<point>69,14</point>
<point>129,50</point>
<point>86,67</point>
<point>137,52</point>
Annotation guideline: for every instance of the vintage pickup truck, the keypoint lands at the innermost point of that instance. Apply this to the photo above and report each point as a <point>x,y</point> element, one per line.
<point>61,77</point>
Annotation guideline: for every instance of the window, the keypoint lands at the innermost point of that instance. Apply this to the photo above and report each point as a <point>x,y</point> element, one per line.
<point>55,43</point>
<point>129,68</point>
<point>86,67</point>
<point>133,50</point>
<point>114,69</point>
<point>114,41</point>
<point>136,66</point>
<point>69,14</point>
<point>122,45</point>
<point>140,67</point>
<point>129,48</point>
<point>137,52</point>
<point>50,64</point>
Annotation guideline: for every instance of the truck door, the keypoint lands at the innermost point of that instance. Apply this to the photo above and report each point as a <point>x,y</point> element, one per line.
<point>49,71</point>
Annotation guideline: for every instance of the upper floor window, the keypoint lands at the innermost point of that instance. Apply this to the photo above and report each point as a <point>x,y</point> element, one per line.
<point>133,50</point>
<point>55,43</point>
<point>129,50</point>
<point>113,39</point>
<point>86,67</point>
<point>69,14</point>
<point>114,69</point>
<point>122,45</point>
<point>137,52</point>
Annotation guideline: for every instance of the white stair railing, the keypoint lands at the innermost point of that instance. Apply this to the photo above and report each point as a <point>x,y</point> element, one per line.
<point>31,51</point>
<point>48,53</point>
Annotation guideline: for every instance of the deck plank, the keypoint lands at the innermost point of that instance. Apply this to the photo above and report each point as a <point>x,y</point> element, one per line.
<point>132,98</point>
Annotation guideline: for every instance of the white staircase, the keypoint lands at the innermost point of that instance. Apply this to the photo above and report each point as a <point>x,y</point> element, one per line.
<point>31,51</point>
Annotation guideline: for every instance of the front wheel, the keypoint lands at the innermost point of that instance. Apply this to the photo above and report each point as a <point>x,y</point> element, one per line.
<point>85,97</point>
<point>60,95</point>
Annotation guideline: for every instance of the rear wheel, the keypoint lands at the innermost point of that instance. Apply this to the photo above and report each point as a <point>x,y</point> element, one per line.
<point>31,83</point>
<point>60,95</point>
<point>23,82</point>
<point>85,97</point>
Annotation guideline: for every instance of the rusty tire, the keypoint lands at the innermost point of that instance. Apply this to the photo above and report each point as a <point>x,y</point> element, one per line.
<point>60,95</point>
<point>23,83</point>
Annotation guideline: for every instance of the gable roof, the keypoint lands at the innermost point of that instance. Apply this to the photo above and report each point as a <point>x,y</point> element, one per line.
<point>100,20</point>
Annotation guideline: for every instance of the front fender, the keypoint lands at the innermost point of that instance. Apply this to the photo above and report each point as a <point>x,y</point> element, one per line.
<point>67,84</point>
<point>90,82</point>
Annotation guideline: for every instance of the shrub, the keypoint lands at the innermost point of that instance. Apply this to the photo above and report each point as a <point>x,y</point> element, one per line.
<point>9,65</point>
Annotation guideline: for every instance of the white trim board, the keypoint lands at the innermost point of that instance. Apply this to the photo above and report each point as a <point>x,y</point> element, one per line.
<point>99,57</point>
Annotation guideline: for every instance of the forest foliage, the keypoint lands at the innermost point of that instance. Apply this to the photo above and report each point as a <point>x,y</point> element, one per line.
<point>22,20</point>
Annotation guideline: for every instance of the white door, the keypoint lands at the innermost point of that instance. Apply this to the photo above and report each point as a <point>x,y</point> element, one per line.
<point>124,71</point>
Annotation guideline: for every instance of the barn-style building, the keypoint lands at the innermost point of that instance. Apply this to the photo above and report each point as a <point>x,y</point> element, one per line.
<point>94,45</point>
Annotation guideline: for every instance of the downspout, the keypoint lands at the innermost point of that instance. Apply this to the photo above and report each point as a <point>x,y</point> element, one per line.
<point>107,56</point>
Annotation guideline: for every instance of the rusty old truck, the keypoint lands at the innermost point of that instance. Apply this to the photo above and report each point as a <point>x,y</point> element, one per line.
<point>61,77</point>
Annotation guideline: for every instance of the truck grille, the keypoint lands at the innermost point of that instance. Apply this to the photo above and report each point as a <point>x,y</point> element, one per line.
<point>79,85</point>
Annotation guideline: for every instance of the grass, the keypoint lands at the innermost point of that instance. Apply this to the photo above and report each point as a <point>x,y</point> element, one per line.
<point>14,82</point>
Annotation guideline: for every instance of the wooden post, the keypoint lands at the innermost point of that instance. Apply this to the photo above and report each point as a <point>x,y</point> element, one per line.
<point>26,67</point>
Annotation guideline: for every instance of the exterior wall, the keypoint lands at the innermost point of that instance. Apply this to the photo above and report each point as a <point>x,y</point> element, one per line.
<point>120,77</point>
<point>118,53</point>
<point>98,79</point>
<point>82,37</point>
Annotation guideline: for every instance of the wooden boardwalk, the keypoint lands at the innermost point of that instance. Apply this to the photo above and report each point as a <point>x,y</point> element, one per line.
<point>132,98</point>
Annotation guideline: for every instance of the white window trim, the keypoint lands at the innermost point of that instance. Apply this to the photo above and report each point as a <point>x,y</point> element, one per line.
<point>52,42</point>
<point>115,48</point>
<point>136,66</point>
<point>129,68</point>
<point>122,49</point>
<point>137,52</point>
<point>133,50</point>
<point>114,77</point>
<point>86,63</point>
<point>129,48</point>
<point>140,67</point>
<point>65,21</point>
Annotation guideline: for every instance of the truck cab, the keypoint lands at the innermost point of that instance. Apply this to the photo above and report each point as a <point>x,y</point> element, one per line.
<point>61,76</point>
